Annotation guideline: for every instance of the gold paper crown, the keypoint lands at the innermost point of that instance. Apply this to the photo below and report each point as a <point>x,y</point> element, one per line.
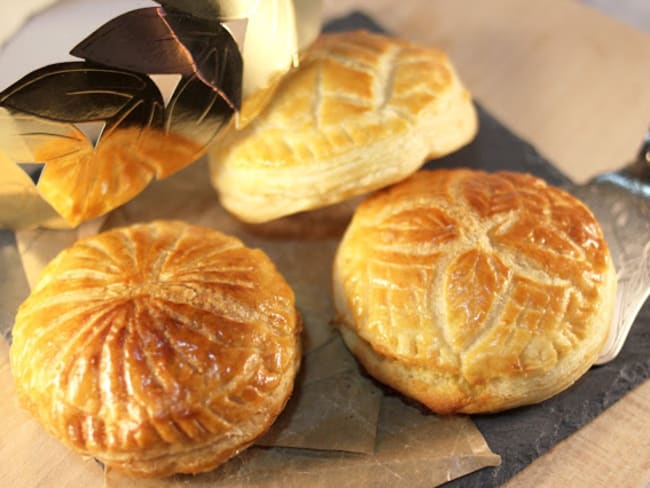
<point>42,115</point>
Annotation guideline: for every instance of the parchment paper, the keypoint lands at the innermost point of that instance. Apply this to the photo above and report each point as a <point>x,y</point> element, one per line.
<point>414,449</point>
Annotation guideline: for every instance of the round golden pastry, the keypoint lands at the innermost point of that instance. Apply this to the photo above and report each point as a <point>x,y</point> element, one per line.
<point>474,292</point>
<point>360,112</point>
<point>159,348</point>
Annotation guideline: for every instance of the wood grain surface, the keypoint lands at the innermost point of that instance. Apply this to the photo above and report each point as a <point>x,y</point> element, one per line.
<point>576,83</point>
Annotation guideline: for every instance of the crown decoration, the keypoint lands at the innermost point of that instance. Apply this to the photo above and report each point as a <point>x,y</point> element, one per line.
<point>43,115</point>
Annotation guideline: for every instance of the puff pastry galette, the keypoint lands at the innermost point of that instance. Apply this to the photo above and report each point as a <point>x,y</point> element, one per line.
<point>474,292</point>
<point>157,348</point>
<point>362,111</point>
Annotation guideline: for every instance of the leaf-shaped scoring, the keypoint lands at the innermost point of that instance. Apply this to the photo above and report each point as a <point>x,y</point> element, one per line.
<point>152,40</point>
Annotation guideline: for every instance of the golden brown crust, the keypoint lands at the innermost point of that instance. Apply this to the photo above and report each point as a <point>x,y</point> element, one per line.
<point>474,292</point>
<point>362,111</point>
<point>157,348</point>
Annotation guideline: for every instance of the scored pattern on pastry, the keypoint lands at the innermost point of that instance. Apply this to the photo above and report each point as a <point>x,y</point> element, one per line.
<point>360,112</point>
<point>343,83</point>
<point>476,275</point>
<point>156,335</point>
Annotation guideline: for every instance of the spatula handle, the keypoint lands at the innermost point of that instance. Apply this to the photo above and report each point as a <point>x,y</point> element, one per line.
<point>627,192</point>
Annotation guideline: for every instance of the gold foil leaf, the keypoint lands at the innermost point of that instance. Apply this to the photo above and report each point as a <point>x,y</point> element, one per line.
<point>156,41</point>
<point>139,138</point>
<point>140,40</point>
<point>277,30</point>
<point>79,92</point>
<point>83,179</point>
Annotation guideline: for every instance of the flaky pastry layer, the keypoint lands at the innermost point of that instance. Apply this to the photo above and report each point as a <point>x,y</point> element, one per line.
<point>474,292</point>
<point>158,348</point>
<point>361,111</point>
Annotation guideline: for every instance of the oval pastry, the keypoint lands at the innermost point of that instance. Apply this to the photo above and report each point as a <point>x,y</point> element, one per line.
<point>360,112</point>
<point>158,348</point>
<point>474,292</point>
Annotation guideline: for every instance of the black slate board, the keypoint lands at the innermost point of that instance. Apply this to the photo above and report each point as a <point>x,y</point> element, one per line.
<point>523,434</point>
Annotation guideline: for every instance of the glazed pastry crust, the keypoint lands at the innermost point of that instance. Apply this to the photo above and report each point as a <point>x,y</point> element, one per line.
<point>474,292</point>
<point>158,348</point>
<point>362,111</point>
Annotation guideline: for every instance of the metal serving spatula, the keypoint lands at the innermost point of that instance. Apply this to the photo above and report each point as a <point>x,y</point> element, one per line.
<point>621,203</point>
